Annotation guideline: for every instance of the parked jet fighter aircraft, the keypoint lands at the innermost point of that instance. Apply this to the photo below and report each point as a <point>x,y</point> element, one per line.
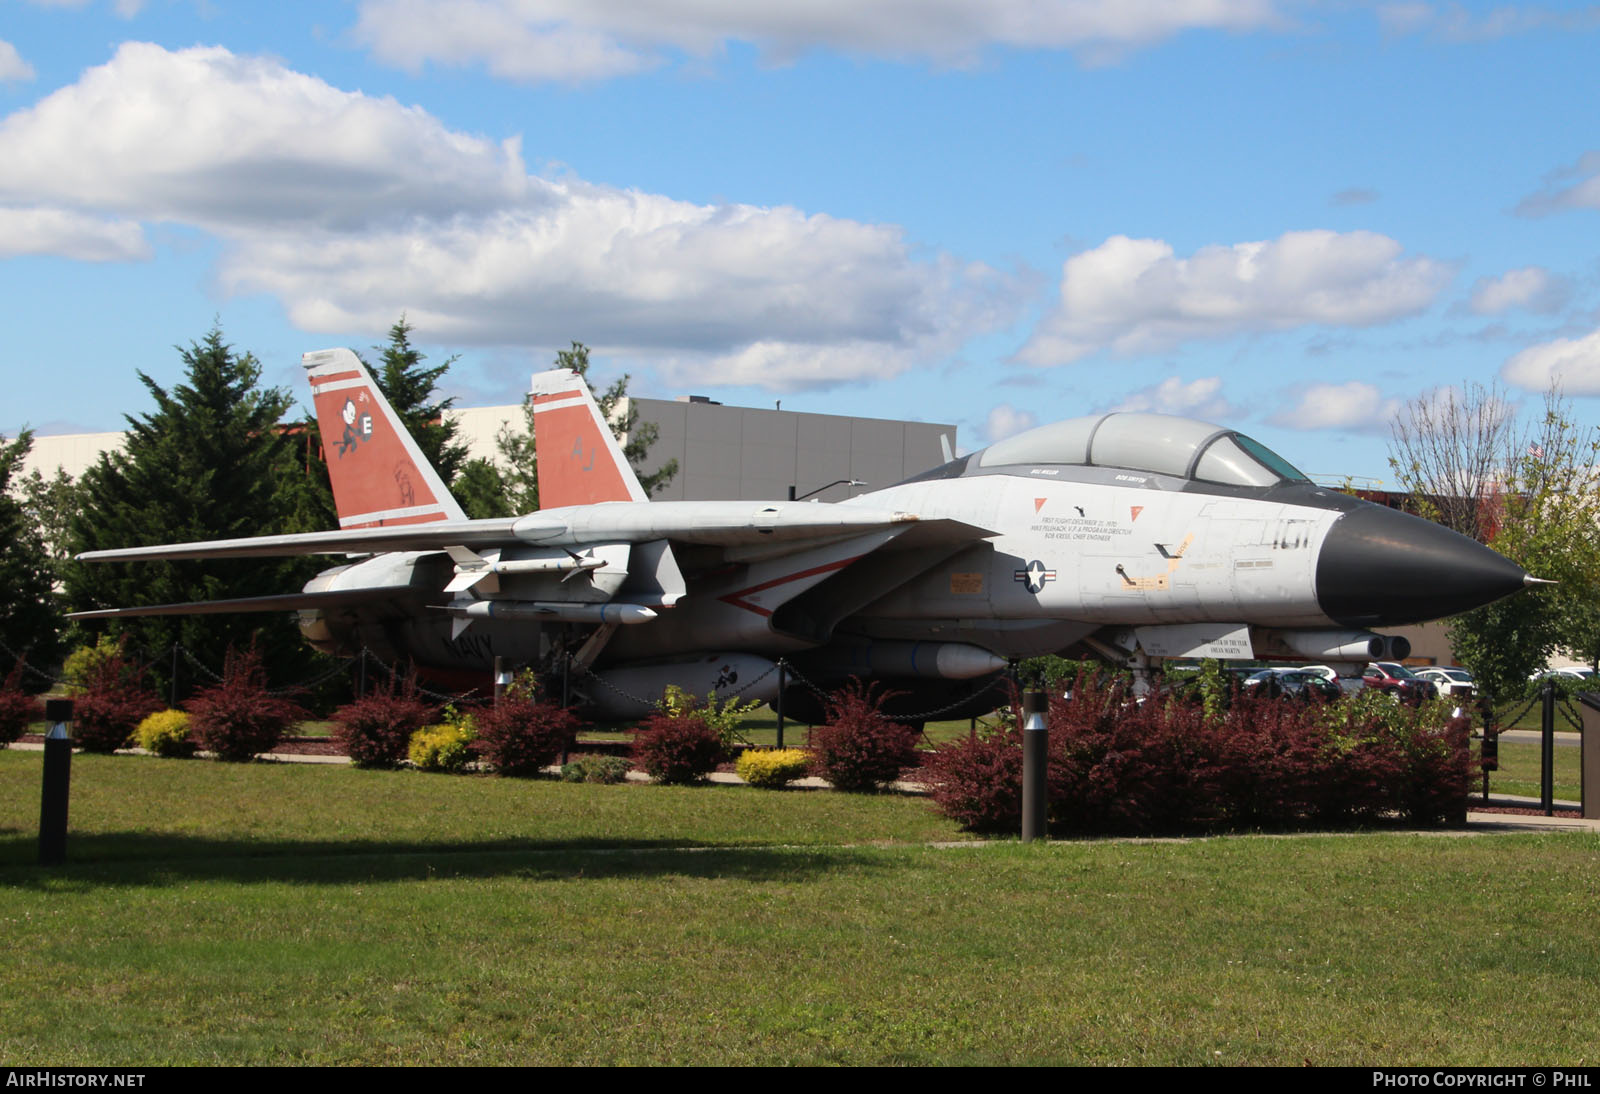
<point>1141,535</point>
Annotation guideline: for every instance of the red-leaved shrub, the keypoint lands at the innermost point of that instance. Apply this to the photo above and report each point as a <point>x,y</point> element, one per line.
<point>859,748</point>
<point>376,730</point>
<point>519,736</point>
<point>237,719</point>
<point>681,748</point>
<point>18,709</point>
<point>1162,765</point>
<point>978,781</point>
<point>114,702</point>
<point>1438,774</point>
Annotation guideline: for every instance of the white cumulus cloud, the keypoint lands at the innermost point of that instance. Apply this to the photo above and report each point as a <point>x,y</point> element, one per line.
<point>1200,398</point>
<point>68,234</point>
<point>1573,187</point>
<point>1353,405</point>
<point>1454,22</point>
<point>1531,287</point>
<point>204,136</point>
<point>350,209</point>
<point>13,69</point>
<point>1005,421</point>
<point>1572,364</point>
<point>1135,296</point>
<point>577,40</point>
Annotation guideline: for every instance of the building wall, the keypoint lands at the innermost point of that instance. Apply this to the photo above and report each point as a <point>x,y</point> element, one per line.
<point>729,452</point>
<point>73,453</point>
<point>723,452</point>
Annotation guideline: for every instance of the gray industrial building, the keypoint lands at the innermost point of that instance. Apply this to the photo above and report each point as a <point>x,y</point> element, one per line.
<point>723,452</point>
<point>728,452</point>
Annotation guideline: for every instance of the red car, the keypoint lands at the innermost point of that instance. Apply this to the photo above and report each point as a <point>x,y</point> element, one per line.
<point>1399,681</point>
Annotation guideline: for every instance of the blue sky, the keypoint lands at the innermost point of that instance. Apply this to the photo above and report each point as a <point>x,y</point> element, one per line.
<point>1289,217</point>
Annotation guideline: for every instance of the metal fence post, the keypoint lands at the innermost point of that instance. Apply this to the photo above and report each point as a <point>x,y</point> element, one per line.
<point>782,677</point>
<point>1547,749</point>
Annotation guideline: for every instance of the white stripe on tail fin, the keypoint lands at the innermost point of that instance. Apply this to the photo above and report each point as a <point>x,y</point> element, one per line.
<point>379,475</point>
<point>580,461</point>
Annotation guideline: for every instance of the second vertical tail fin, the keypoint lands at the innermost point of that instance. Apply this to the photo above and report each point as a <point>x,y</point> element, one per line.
<point>580,461</point>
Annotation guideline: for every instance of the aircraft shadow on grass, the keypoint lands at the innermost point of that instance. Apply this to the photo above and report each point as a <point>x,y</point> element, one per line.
<point>143,859</point>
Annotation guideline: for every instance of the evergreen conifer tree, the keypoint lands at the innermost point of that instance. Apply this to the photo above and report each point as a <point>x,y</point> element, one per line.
<point>410,386</point>
<point>208,463</point>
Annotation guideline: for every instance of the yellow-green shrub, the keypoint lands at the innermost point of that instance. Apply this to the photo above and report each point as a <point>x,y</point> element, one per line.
<point>166,733</point>
<point>83,663</point>
<point>773,767</point>
<point>444,747</point>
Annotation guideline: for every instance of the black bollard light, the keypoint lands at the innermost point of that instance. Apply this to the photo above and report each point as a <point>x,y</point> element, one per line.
<point>1035,760</point>
<point>57,782</point>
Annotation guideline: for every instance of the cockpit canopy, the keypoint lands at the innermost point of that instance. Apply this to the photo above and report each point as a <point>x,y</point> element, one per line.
<point>1158,443</point>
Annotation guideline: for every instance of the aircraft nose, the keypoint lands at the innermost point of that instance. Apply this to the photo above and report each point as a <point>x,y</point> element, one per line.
<point>1380,566</point>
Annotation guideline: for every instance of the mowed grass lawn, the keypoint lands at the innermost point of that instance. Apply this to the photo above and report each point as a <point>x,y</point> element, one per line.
<point>1520,771</point>
<point>299,914</point>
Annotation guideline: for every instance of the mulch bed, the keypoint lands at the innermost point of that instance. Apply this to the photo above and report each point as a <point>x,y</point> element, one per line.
<point>309,746</point>
<point>293,746</point>
<point>1521,811</point>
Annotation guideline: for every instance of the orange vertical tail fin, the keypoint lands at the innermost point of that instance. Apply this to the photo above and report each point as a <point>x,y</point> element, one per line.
<point>580,461</point>
<point>379,475</point>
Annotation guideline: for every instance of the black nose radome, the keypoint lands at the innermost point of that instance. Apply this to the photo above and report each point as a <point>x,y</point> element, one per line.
<point>1383,567</point>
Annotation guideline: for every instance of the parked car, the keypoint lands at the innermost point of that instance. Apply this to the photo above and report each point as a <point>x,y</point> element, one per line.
<point>1453,681</point>
<point>1570,672</point>
<point>1291,683</point>
<point>1347,685</point>
<point>1399,681</point>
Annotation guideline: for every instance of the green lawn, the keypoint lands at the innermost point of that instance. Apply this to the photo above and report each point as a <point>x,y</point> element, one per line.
<point>300,914</point>
<point>1520,768</point>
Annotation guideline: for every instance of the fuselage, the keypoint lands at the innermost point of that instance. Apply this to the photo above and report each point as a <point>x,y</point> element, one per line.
<point>1075,547</point>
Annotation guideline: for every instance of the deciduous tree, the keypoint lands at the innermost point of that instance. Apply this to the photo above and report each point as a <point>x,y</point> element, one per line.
<point>30,617</point>
<point>1529,489</point>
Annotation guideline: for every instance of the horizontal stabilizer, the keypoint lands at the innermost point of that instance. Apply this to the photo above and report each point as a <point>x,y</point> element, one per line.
<point>354,541</point>
<point>282,602</point>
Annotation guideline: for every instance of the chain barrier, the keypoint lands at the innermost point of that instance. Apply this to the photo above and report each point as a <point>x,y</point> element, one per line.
<point>723,694</point>
<point>920,717</point>
<point>736,692</point>
<point>28,669</point>
<point>306,685</point>
<point>1571,714</point>
<point>799,678</point>
<point>586,674</point>
<point>194,663</point>
<point>1501,720</point>
<point>394,674</point>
